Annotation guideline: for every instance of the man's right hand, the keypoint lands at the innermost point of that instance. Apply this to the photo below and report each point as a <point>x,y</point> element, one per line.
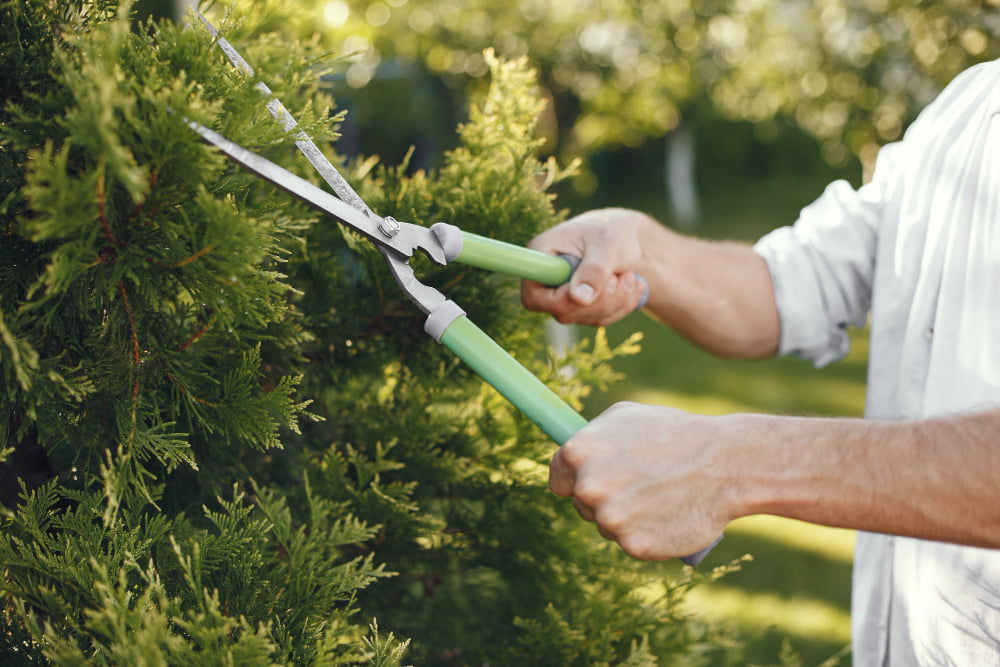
<point>604,288</point>
<point>716,294</point>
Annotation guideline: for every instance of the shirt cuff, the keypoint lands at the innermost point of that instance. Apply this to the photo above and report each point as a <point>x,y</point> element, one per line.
<point>805,330</point>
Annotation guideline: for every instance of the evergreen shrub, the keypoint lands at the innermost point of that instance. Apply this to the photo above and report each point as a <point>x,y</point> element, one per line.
<point>228,440</point>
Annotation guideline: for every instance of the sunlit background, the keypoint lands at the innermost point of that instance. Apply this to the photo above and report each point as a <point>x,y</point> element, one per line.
<point>849,72</point>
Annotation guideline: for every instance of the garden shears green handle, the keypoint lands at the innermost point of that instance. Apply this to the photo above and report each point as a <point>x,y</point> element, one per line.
<point>446,321</point>
<point>442,243</point>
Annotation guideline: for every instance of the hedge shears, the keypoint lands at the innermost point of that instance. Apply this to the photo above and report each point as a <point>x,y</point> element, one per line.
<point>398,241</point>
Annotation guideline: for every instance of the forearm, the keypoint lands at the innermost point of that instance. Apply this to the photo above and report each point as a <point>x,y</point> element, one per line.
<point>717,294</point>
<point>933,479</point>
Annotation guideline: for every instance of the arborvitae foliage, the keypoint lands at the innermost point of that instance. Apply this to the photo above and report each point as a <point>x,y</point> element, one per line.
<point>228,440</point>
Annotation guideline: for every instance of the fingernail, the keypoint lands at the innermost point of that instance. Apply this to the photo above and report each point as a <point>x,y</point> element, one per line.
<point>583,293</point>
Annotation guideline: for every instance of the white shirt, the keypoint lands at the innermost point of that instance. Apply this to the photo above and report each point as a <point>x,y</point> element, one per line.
<point>917,248</point>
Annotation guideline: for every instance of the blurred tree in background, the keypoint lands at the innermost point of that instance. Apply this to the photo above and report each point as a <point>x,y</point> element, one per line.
<point>851,73</point>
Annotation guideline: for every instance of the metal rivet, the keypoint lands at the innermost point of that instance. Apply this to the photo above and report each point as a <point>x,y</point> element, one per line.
<point>389,226</point>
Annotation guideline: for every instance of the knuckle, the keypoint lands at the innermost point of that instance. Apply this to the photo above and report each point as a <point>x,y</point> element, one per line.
<point>583,510</point>
<point>573,453</point>
<point>560,476</point>
<point>590,494</point>
<point>567,452</point>
<point>612,520</point>
<point>560,485</point>
<point>638,545</point>
<point>606,535</point>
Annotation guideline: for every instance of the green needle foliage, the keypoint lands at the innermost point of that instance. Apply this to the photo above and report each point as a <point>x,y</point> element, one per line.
<point>227,439</point>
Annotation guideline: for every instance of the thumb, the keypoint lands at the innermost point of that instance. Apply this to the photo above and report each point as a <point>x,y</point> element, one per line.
<point>590,278</point>
<point>582,292</point>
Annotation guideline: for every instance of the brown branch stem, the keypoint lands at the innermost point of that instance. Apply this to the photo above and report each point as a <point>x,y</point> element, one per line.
<point>198,334</point>
<point>131,321</point>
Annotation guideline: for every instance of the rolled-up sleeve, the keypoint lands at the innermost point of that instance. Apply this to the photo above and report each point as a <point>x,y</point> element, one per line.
<point>822,270</point>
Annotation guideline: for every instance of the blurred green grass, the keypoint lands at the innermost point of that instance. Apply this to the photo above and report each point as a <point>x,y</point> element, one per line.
<point>796,590</point>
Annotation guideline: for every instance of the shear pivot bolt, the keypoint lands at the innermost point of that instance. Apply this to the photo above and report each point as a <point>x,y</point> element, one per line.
<point>389,226</point>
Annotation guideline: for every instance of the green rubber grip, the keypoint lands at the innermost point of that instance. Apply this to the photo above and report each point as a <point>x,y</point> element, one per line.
<point>513,260</point>
<point>528,394</point>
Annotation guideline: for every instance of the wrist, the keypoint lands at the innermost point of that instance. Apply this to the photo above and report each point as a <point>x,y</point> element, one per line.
<point>757,477</point>
<point>653,245</point>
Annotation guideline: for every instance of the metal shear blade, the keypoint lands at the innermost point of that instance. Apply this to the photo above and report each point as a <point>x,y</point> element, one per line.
<point>402,238</point>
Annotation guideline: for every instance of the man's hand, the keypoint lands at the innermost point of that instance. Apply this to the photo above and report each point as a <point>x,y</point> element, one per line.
<point>664,483</point>
<point>716,294</point>
<point>604,287</point>
<point>654,479</point>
